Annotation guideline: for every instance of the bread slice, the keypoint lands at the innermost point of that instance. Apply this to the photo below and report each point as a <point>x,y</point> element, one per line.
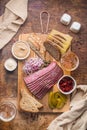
<point>52,49</point>
<point>29,103</point>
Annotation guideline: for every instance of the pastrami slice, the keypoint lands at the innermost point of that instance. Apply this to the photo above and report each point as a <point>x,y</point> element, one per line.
<point>40,73</point>
<point>40,82</point>
<point>42,77</point>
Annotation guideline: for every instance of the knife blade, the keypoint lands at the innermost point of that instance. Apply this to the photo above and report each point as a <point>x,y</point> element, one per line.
<point>37,52</point>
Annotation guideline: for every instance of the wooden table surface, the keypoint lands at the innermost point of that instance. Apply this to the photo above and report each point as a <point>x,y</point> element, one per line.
<point>8,81</point>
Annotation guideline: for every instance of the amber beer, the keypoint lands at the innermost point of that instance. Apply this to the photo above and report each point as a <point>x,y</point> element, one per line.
<point>7,111</point>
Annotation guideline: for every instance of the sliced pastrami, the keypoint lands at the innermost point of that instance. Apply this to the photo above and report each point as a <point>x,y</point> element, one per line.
<point>39,83</point>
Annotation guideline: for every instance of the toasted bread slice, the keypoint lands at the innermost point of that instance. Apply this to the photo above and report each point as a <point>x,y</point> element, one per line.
<point>29,103</point>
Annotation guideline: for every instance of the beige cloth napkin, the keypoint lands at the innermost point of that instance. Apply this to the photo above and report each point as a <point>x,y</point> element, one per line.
<point>76,117</point>
<point>14,16</point>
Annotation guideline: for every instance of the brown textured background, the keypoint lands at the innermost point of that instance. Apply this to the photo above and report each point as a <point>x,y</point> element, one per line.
<point>8,81</point>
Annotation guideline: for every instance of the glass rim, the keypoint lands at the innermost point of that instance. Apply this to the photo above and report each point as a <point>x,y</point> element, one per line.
<point>73,68</point>
<point>13,107</point>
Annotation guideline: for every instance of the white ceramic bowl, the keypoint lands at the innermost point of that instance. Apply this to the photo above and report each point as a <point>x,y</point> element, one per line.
<point>63,81</point>
<point>10,64</point>
<point>27,47</point>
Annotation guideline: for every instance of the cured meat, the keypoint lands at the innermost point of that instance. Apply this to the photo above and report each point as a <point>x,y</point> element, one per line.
<point>40,78</point>
<point>40,73</point>
<point>40,82</point>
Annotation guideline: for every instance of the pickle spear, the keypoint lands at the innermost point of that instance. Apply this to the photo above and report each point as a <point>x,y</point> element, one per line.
<point>56,100</point>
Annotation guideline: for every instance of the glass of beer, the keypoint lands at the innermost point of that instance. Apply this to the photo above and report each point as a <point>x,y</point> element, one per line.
<point>7,111</point>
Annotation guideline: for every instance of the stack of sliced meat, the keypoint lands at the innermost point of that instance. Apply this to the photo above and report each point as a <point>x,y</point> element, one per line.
<point>40,82</point>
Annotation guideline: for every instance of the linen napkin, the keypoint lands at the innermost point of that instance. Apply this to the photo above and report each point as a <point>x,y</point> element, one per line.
<point>14,16</point>
<point>76,117</point>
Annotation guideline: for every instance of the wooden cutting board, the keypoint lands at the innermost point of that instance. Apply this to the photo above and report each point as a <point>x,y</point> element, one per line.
<point>21,84</point>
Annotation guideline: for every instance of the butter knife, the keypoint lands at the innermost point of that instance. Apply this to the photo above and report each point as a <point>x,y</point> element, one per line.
<point>37,52</point>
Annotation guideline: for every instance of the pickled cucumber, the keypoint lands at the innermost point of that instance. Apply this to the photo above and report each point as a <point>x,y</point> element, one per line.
<point>49,100</point>
<point>56,100</point>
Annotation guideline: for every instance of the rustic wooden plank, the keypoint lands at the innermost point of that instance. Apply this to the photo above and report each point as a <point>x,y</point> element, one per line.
<point>21,84</point>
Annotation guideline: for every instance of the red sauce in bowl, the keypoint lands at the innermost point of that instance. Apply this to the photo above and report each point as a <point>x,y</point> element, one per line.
<point>66,84</point>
